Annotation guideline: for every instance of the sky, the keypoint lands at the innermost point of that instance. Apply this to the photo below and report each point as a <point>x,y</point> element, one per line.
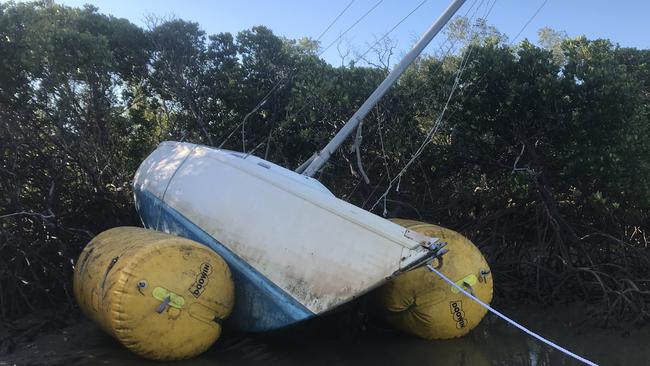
<point>626,22</point>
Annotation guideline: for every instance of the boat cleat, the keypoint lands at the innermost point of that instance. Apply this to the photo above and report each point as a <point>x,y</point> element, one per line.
<point>434,247</point>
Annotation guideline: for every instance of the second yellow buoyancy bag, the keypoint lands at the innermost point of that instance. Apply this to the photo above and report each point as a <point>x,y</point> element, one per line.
<point>420,303</point>
<point>160,295</point>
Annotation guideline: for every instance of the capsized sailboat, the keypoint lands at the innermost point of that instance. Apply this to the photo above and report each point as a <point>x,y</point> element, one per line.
<point>294,249</point>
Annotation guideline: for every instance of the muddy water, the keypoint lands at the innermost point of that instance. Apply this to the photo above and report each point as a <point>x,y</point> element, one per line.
<point>492,343</point>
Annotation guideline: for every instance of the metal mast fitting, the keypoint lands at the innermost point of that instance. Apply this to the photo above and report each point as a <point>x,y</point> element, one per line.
<point>316,162</point>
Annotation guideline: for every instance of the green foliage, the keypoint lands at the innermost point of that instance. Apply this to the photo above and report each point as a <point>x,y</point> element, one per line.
<point>64,141</point>
<point>543,157</point>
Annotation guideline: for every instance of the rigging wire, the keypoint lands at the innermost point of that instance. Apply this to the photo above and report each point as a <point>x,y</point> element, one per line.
<point>510,43</point>
<point>446,53</point>
<point>529,20</point>
<point>280,83</point>
<point>392,29</point>
<point>350,27</point>
<point>334,21</point>
<point>386,34</point>
<point>356,146</point>
<point>310,99</point>
<point>428,139</point>
<point>452,44</point>
<point>434,129</point>
<point>385,158</point>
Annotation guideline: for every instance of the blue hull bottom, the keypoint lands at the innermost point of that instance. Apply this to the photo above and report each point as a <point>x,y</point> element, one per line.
<point>260,305</point>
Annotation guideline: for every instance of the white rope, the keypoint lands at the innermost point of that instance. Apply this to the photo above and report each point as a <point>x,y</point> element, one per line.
<point>512,322</point>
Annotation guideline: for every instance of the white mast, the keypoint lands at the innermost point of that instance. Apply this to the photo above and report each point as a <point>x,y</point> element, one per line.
<point>311,166</point>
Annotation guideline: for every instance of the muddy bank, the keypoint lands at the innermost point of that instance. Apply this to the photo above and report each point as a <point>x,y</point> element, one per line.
<point>492,343</point>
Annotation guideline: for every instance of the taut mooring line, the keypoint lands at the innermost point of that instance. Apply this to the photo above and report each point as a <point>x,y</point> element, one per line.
<point>512,322</point>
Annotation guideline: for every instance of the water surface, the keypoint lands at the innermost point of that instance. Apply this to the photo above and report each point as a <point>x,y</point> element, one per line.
<point>493,342</point>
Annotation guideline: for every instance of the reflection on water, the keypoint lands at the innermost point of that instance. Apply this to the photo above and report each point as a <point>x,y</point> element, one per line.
<point>492,343</point>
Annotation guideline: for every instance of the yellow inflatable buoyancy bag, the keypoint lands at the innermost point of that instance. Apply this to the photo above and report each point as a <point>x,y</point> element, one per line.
<point>160,295</point>
<point>420,303</point>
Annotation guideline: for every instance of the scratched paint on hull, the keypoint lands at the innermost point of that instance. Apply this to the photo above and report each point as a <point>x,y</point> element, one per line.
<point>259,304</point>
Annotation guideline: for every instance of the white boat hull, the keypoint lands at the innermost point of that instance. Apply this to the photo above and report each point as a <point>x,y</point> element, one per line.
<point>295,249</point>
